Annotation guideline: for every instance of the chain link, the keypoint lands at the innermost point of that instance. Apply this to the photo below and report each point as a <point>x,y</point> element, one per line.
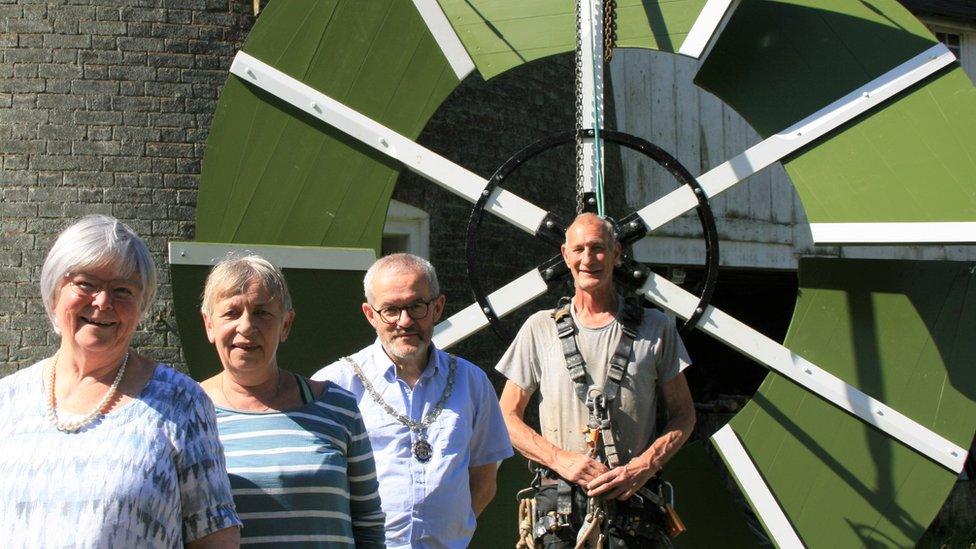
<point>416,426</point>
<point>609,29</point>
<point>579,107</point>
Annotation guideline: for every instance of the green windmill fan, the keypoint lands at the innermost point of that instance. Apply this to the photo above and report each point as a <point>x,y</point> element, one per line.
<point>857,434</point>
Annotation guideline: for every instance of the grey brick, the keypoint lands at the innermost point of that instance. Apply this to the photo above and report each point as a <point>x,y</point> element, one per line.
<point>95,72</point>
<point>21,85</point>
<point>131,72</point>
<point>100,57</point>
<point>170,60</point>
<point>55,147</point>
<point>53,195</point>
<point>15,209</point>
<point>75,209</point>
<point>139,119</point>
<point>107,28</point>
<point>127,164</point>
<point>104,43</point>
<point>69,57</point>
<point>85,163</point>
<point>67,41</point>
<point>60,101</point>
<point>141,44</point>
<point>172,135</point>
<point>57,85</point>
<point>96,148</point>
<point>25,70</point>
<point>15,162</point>
<point>23,116</point>
<point>130,13</point>
<point>90,195</point>
<point>27,55</point>
<point>94,87</point>
<point>88,179</point>
<point>18,146</point>
<point>99,133</point>
<point>108,14</point>
<point>30,40</point>
<point>98,118</point>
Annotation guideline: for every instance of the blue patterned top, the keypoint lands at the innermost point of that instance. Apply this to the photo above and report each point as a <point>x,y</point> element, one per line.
<point>304,476</point>
<point>147,474</point>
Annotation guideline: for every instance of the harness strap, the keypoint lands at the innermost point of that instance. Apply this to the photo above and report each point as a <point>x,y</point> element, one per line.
<point>566,330</point>
<point>617,367</point>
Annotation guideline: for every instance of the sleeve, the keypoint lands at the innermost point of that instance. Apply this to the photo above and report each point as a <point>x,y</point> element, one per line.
<point>334,372</point>
<point>367,517</point>
<point>674,357</point>
<point>202,472</point>
<point>521,362</point>
<point>489,436</point>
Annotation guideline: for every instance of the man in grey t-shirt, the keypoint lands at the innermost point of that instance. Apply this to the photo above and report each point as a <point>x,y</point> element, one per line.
<point>535,362</point>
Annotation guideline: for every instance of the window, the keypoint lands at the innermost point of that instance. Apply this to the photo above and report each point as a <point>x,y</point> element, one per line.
<point>407,229</point>
<point>952,41</point>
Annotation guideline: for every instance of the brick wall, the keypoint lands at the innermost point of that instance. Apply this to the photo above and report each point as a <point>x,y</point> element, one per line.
<point>104,108</point>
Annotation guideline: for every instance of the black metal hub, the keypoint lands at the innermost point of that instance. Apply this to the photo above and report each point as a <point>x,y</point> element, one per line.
<point>630,274</point>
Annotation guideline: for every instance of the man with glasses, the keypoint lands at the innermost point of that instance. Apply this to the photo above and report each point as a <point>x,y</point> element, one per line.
<point>432,418</point>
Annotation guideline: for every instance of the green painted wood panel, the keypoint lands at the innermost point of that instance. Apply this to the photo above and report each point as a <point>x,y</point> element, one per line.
<point>328,322</point>
<point>898,330</point>
<point>502,34</point>
<point>912,160</point>
<point>272,174</point>
<point>777,62</point>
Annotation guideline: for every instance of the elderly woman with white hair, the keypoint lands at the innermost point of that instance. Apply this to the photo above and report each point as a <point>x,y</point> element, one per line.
<point>99,445</point>
<point>299,460</point>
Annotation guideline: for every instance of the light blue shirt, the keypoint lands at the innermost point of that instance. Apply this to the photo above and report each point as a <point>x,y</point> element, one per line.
<point>427,505</point>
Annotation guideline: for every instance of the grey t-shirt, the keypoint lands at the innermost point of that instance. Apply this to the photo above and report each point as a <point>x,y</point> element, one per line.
<point>535,361</point>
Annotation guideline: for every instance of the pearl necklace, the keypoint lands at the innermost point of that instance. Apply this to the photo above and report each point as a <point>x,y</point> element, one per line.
<point>75,426</point>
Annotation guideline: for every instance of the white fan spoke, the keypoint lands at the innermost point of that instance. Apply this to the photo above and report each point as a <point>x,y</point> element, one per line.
<point>707,27</point>
<point>863,99</point>
<point>755,488</point>
<point>503,301</point>
<point>774,356</point>
<point>415,157</point>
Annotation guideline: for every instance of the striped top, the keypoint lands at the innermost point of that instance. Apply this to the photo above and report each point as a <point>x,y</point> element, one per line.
<point>303,477</point>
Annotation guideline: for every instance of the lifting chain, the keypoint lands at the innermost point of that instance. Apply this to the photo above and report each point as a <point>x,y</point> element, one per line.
<point>609,29</point>
<point>579,107</point>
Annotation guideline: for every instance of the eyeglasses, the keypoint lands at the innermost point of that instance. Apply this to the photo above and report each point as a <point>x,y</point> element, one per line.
<point>416,310</point>
<point>120,290</point>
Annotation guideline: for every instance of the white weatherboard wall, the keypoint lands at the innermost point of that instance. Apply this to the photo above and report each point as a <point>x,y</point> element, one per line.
<point>761,221</point>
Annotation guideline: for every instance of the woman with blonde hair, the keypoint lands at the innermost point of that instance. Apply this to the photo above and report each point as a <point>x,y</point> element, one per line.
<point>300,463</point>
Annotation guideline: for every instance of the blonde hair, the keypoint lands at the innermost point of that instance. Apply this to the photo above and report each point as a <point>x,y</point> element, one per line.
<point>233,274</point>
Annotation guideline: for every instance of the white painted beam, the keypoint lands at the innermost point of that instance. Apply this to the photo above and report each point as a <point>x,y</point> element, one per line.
<point>445,37</point>
<point>774,356</point>
<point>706,28</point>
<point>418,159</point>
<point>774,148</point>
<point>894,233</point>
<point>285,257</point>
<point>774,519</point>
<point>503,301</point>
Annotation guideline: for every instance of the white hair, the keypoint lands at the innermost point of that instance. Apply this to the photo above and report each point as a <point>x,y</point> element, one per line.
<point>97,241</point>
<point>233,274</point>
<point>401,263</point>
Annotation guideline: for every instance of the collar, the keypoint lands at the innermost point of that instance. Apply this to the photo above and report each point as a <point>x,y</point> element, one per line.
<point>617,315</point>
<point>381,365</point>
